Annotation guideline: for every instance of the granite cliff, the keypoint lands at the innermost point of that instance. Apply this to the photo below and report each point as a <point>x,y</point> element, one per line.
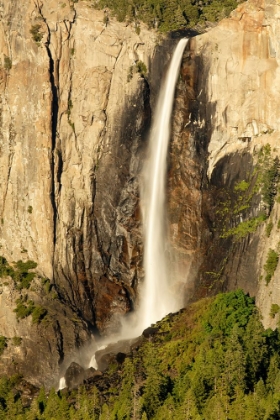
<point>238,101</point>
<point>77,95</point>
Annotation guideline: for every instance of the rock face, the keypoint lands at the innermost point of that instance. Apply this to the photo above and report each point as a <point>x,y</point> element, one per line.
<point>237,104</point>
<point>74,113</point>
<point>75,109</point>
<point>68,162</point>
<point>36,349</point>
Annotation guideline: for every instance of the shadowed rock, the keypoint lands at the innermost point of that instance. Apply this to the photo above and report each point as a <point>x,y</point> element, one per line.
<point>74,375</point>
<point>149,332</point>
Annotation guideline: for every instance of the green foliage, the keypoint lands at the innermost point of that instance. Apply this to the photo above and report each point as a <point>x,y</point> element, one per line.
<point>36,34</point>
<point>69,109</point>
<point>228,311</point>
<point>124,405</point>
<point>213,360</point>
<point>271,264</point>
<point>47,284</point>
<point>141,68</point>
<point>267,170</point>
<point>23,267</point>
<point>30,209</point>
<point>26,307</point>
<point>167,15</point>
<point>130,73</point>
<point>5,269</point>
<point>156,385</point>
<point>16,341</point>
<point>3,344</point>
<point>274,310</point>
<point>38,313</point>
<point>19,272</point>
<point>242,186</point>
<point>270,178</point>
<point>261,185</point>
<point>268,229</point>
<point>7,63</point>
<point>243,228</point>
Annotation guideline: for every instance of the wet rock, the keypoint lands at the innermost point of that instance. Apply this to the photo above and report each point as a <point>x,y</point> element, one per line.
<point>149,332</point>
<point>120,358</point>
<point>74,375</point>
<point>113,353</point>
<point>91,375</point>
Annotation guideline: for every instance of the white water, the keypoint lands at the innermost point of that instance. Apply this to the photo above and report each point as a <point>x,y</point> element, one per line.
<point>93,362</point>
<point>157,296</point>
<point>62,383</point>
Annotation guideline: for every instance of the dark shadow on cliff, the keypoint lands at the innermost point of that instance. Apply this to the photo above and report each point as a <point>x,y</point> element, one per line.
<point>229,259</point>
<point>212,263</point>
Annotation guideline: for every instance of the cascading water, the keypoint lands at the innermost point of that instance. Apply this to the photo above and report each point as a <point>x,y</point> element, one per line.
<point>157,297</point>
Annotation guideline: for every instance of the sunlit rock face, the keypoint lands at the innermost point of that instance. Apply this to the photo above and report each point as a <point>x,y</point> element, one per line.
<point>74,115</point>
<point>236,113</point>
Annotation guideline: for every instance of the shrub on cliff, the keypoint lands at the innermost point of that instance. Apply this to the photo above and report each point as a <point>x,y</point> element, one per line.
<point>19,272</point>
<point>271,264</point>
<point>36,34</point>
<point>3,344</point>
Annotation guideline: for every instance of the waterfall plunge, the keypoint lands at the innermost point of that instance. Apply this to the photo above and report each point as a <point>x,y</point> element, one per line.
<point>157,297</point>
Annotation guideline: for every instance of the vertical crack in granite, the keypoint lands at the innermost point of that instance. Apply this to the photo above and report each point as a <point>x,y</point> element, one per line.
<point>54,119</point>
<point>59,340</point>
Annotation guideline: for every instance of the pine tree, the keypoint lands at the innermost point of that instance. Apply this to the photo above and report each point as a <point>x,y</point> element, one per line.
<point>167,410</point>
<point>217,408</point>
<point>34,412</point>
<point>144,416</point>
<point>124,406</point>
<point>179,19</point>
<point>42,400</point>
<point>14,407</point>
<point>190,12</point>
<point>64,408</point>
<point>235,367</point>
<point>155,384</point>
<point>188,409</point>
<point>105,413</point>
<point>273,372</point>
<point>52,407</point>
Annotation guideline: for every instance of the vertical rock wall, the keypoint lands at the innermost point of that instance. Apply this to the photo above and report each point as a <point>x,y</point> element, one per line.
<point>238,114</point>
<point>75,110</point>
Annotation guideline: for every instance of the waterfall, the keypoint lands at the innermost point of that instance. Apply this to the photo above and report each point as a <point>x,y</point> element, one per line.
<point>157,297</point>
<point>62,383</point>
